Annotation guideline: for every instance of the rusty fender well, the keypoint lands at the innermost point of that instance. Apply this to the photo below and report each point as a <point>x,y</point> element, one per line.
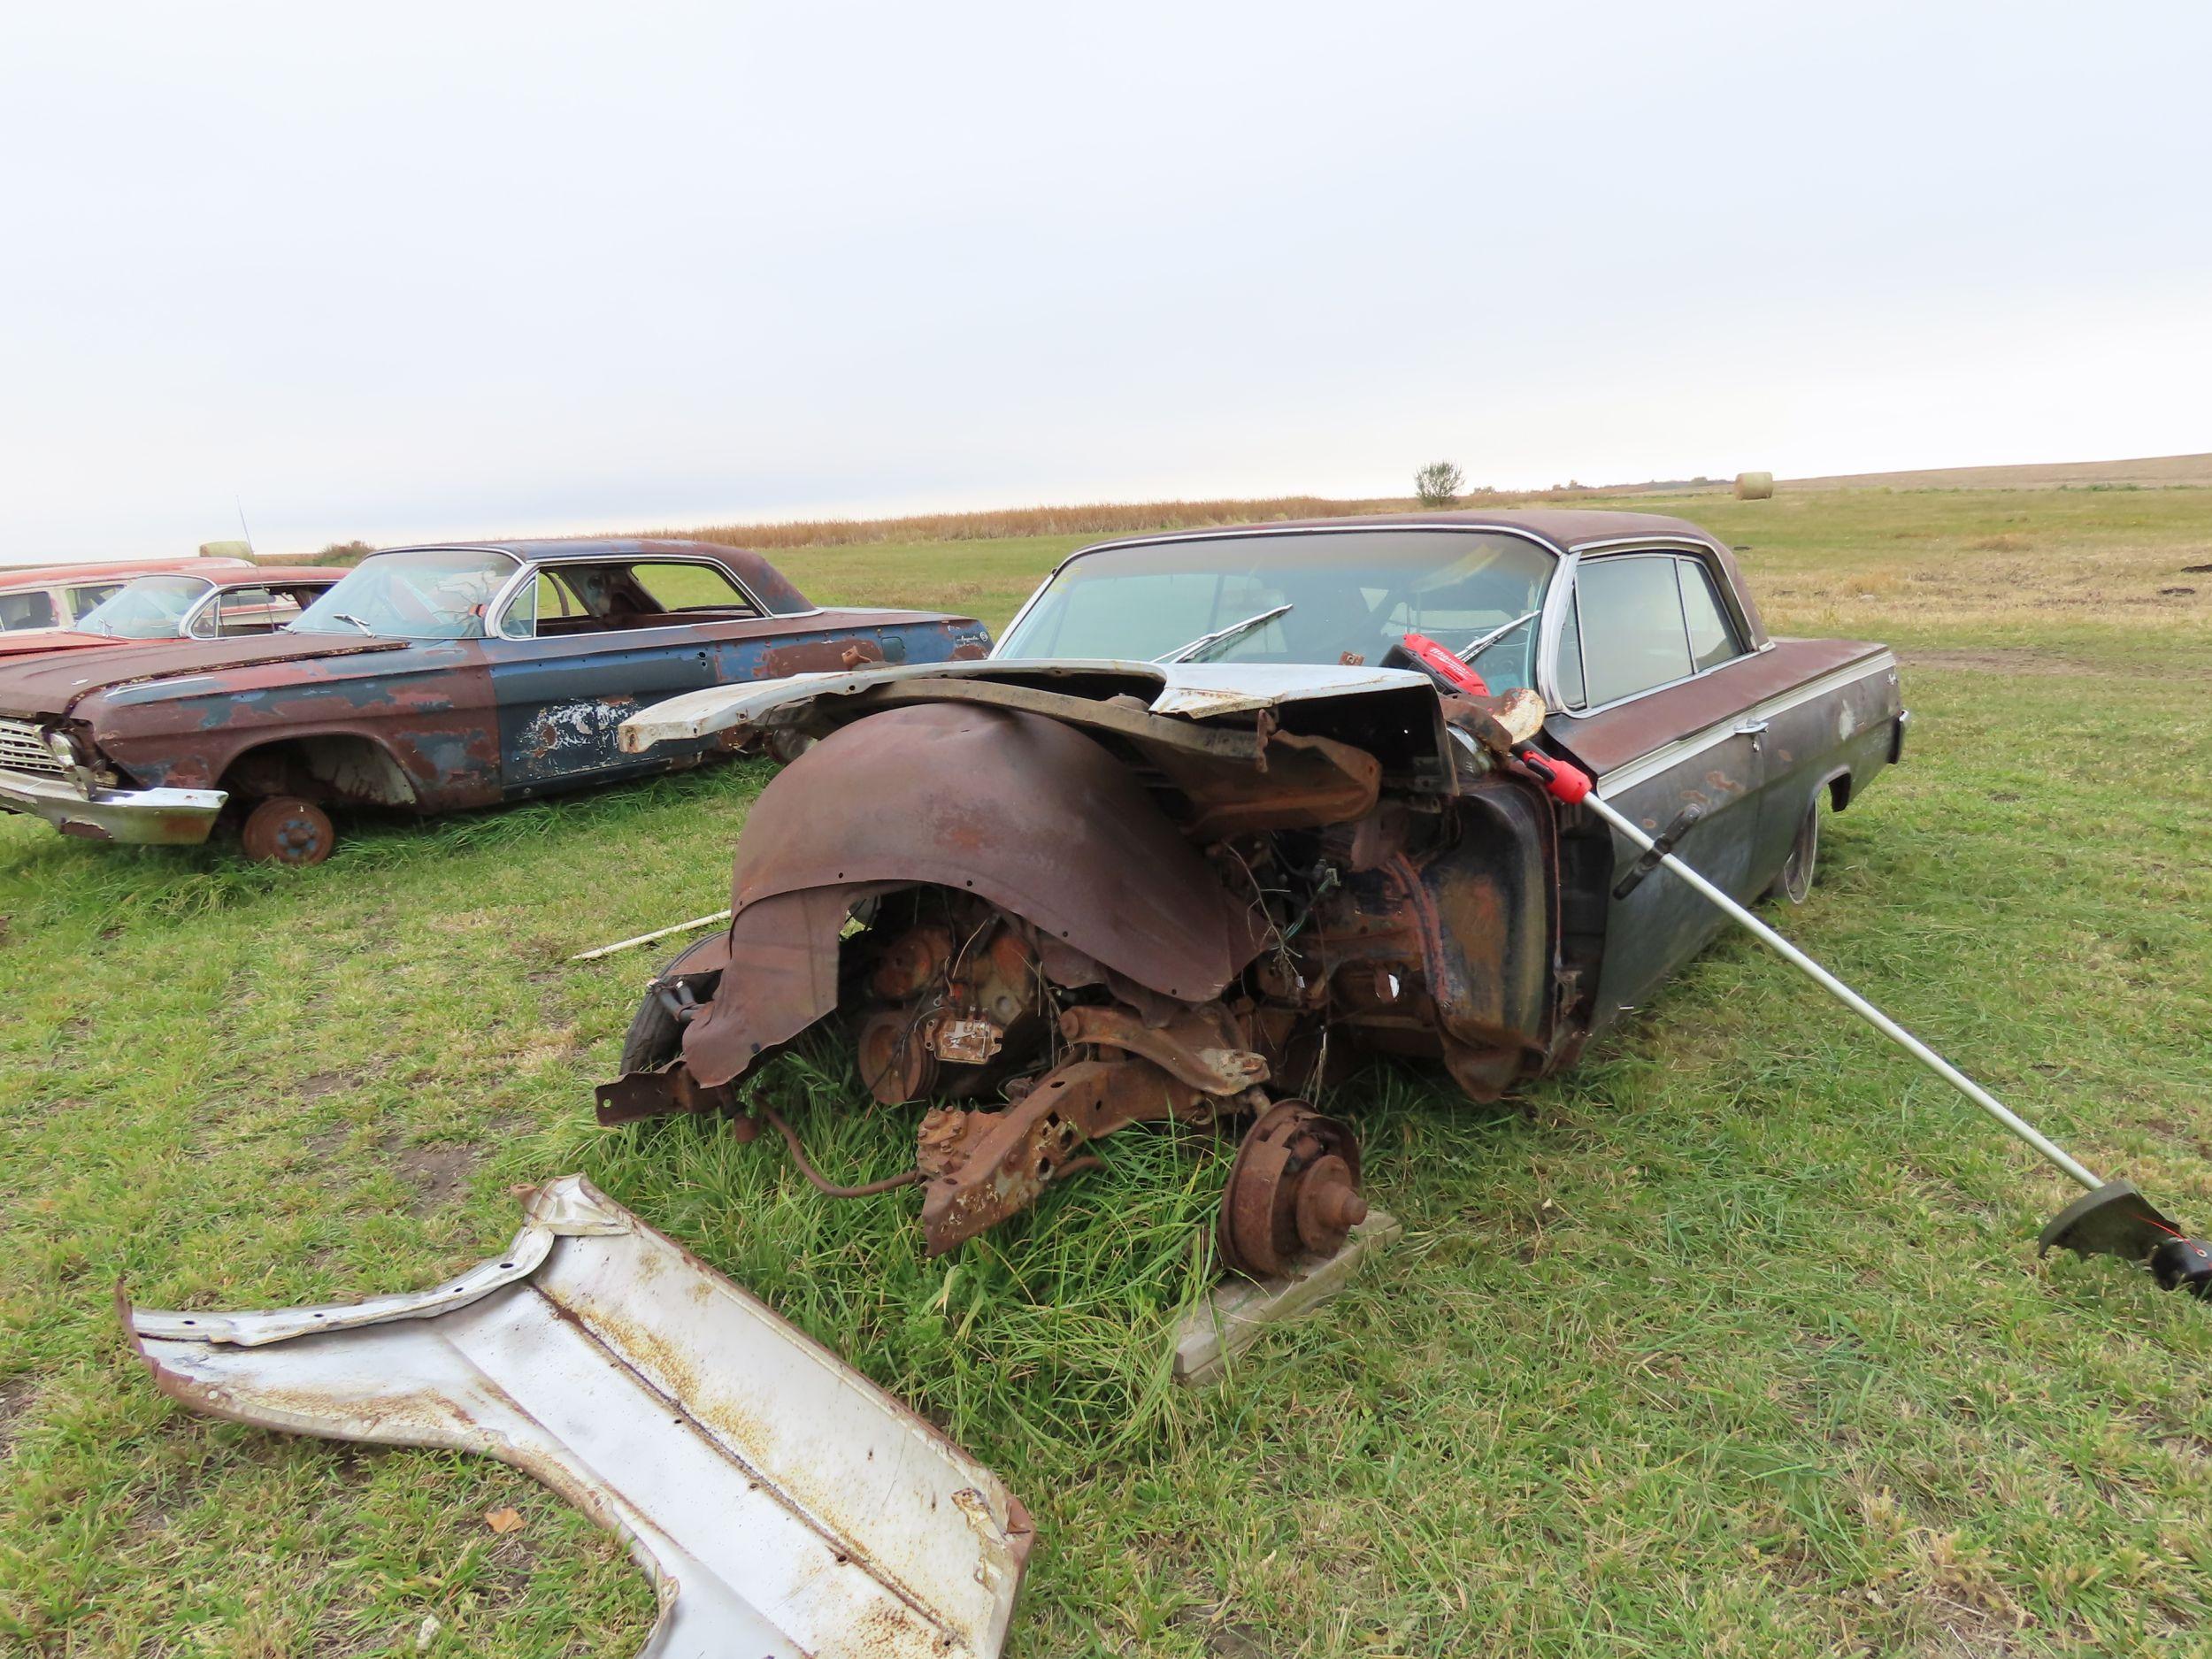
<point>1477,911</point>
<point>1018,808</point>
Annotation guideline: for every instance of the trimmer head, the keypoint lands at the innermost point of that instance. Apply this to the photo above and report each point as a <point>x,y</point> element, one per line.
<point>2116,1219</point>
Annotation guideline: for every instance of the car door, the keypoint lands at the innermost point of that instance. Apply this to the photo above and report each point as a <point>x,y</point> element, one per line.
<point>1644,637</point>
<point>578,648</point>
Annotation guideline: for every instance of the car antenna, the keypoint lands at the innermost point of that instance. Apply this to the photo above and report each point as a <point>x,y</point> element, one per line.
<point>242,530</point>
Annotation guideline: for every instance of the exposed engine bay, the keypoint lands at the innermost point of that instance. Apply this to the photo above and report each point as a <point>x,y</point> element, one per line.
<point>1043,915</point>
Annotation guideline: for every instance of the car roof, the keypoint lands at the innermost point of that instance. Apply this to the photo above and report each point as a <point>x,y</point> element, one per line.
<point>47,575</point>
<point>1564,528</point>
<point>277,574</point>
<point>766,583</point>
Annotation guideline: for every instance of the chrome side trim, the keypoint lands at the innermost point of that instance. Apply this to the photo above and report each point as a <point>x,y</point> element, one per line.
<point>1630,773</point>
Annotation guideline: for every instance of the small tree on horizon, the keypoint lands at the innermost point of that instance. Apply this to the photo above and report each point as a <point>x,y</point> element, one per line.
<point>1438,483</point>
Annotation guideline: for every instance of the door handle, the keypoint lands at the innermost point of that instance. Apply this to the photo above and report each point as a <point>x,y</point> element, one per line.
<point>1750,728</point>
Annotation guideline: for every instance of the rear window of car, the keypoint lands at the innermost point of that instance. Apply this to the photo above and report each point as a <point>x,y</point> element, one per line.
<point>1640,622</point>
<point>691,588</point>
<point>1712,637</point>
<point>27,607</point>
<point>83,599</point>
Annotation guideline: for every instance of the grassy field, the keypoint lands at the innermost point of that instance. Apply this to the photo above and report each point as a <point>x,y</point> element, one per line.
<point>1733,1342</point>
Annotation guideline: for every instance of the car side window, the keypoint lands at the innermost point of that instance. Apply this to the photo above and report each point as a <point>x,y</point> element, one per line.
<point>83,599</point>
<point>244,610</point>
<point>1712,637</point>
<point>32,607</point>
<point>1632,636</point>
<point>691,588</point>
<point>1571,688</point>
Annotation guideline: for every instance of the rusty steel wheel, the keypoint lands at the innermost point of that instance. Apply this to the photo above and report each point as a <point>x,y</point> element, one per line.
<point>287,830</point>
<point>1293,1192</point>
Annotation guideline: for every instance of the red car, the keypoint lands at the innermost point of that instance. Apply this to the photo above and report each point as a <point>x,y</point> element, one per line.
<point>61,595</point>
<point>226,603</point>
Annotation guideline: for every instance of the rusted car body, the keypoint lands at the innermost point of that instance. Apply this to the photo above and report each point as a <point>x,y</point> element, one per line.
<point>1200,832</point>
<point>220,602</point>
<point>430,679</point>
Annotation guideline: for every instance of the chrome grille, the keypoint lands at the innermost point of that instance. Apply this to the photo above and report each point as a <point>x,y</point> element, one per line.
<point>23,750</point>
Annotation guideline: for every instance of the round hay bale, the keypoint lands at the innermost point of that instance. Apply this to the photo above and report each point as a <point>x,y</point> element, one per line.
<point>225,551</point>
<point>1755,486</point>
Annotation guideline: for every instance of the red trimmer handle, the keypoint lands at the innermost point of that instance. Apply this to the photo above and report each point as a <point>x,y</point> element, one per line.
<point>1562,779</point>
<point>1446,666</point>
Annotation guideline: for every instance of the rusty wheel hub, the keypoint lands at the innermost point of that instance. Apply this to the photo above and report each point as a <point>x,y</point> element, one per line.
<point>286,831</point>
<point>1294,1191</point>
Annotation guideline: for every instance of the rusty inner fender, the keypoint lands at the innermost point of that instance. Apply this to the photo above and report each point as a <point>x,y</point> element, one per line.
<point>1017,807</point>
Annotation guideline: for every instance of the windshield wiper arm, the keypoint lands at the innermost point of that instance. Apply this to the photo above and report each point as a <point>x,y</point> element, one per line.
<point>1196,649</point>
<point>342,616</point>
<point>1467,653</point>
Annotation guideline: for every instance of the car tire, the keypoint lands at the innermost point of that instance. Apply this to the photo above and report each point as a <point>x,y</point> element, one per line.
<point>285,830</point>
<point>1795,881</point>
<point>656,1036</point>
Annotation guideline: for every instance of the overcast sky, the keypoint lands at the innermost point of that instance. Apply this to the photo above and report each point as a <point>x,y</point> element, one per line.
<point>397,271</point>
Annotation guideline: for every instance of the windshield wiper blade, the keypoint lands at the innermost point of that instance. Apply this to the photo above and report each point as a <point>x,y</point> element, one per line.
<point>1197,648</point>
<point>341,616</point>
<point>1467,653</point>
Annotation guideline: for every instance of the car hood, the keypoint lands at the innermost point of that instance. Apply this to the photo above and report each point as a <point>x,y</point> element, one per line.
<point>57,640</point>
<point>1194,691</point>
<point>55,682</point>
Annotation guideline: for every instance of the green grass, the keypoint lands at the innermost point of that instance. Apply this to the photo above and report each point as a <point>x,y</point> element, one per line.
<point>1733,1341</point>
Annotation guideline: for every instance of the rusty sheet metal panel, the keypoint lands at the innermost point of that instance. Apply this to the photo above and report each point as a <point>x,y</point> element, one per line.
<point>1015,807</point>
<point>784,1505</point>
<point>428,703</point>
<point>56,686</point>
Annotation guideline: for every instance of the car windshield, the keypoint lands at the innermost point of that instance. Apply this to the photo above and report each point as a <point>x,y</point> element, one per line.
<point>426,593</point>
<point>151,608</point>
<point>1346,596</point>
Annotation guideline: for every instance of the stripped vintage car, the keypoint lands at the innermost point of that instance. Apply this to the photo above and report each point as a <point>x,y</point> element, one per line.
<point>1205,829</point>
<point>430,679</point>
<point>219,603</point>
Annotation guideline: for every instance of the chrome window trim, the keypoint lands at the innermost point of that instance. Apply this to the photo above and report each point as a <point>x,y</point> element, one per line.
<point>496,613</point>
<point>190,619</point>
<point>1561,557</point>
<point>1630,547</point>
<point>1629,773</point>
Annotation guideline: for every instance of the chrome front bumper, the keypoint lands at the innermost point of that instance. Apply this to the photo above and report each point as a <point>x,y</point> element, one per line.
<point>146,818</point>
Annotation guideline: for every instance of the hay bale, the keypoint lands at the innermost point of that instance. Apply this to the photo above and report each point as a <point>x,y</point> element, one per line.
<point>1755,486</point>
<point>225,551</point>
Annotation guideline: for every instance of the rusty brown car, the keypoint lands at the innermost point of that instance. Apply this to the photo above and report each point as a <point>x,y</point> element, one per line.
<point>1224,809</point>
<point>429,679</point>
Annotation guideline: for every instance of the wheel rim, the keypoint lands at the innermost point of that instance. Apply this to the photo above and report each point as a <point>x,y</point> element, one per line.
<point>1797,873</point>
<point>287,831</point>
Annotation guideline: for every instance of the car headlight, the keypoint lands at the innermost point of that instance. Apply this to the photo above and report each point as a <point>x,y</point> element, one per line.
<point>63,749</point>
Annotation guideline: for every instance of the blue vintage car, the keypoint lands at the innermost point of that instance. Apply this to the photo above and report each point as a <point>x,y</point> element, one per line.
<point>430,679</point>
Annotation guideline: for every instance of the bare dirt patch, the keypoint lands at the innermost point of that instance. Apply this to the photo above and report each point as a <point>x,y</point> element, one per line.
<point>2022,659</point>
<point>15,1404</point>
<point>436,1173</point>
